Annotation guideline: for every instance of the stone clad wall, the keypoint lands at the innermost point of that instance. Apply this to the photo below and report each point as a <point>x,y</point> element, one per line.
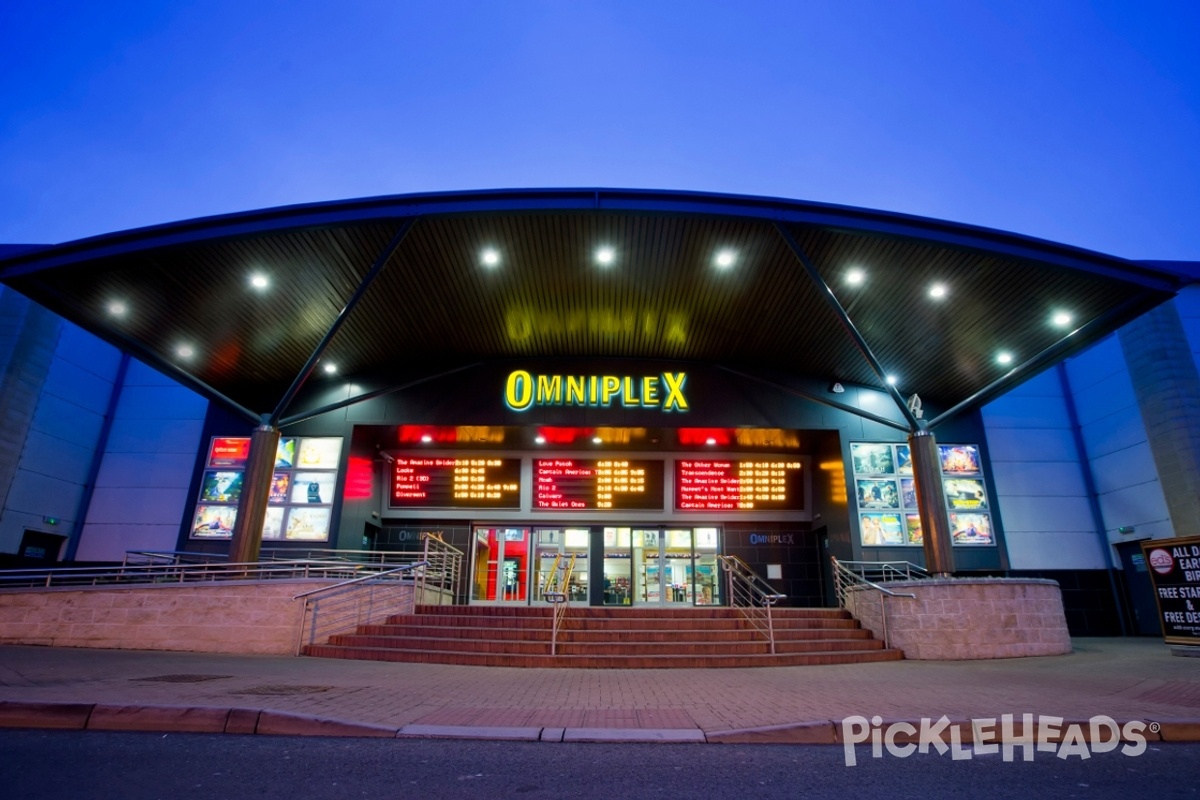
<point>227,617</point>
<point>967,618</point>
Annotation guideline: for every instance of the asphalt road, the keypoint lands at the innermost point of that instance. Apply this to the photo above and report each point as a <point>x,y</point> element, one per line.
<point>133,766</point>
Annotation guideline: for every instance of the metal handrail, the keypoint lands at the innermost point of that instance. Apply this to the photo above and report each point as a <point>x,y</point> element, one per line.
<point>329,610</point>
<point>557,590</point>
<point>752,595</point>
<point>845,578</point>
<point>444,570</point>
<point>887,570</point>
<point>175,573</point>
<point>151,557</point>
<point>275,553</point>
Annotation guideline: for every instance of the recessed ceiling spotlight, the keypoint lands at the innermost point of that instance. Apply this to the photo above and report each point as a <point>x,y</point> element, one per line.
<point>426,438</point>
<point>1061,319</point>
<point>330,368</point>
<point>855,276</point>
<point>710,440</point>
<point>259,281</point>
<point>891,380</point>
<point>491,257</point>
<point>540,440</point>
<point>606,256</point>
<point>1004,358</point>
<point>597,440</point>
<point>117,309</point>
<point>185,351</point>
<point>725,259</point>
<point>937,291</point>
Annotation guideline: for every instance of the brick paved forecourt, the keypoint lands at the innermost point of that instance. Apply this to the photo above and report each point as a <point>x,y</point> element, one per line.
<point>89,689</point>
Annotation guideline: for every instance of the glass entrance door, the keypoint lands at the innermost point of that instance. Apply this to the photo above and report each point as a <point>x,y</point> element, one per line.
<point>565,542</point>
<point>664,566</point>
<point>501,565</point>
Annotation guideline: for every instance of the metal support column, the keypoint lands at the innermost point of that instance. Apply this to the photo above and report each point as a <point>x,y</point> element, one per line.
<point>931,503</point>
<point>256,493</point>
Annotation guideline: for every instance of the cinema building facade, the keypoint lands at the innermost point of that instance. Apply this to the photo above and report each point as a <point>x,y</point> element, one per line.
<point>641,380</point>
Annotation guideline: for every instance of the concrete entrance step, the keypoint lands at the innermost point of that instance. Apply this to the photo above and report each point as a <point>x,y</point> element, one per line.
<point>626,638</point>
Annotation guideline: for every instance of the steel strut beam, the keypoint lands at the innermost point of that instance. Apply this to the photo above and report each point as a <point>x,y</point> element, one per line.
<point>834,305</point>
<point>358,295</point>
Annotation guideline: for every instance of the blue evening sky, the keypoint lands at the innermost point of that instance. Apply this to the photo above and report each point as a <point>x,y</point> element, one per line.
<point>1074,121</point>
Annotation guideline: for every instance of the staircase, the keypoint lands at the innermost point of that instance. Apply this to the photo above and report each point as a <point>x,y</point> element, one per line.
<point>616,638</point>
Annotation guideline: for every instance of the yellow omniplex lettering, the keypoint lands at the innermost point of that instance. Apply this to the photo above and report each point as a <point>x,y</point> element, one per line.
<point>518,390</point>
<point>611,386</point>
<point>592,384</point>
<point>675,399</point>
<point>549,390</point>
<point>649,391</point>
<point>629,393</point>
<point>575,386</point>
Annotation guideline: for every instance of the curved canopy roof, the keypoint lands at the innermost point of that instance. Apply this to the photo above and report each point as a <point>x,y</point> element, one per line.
<point>392,288</point>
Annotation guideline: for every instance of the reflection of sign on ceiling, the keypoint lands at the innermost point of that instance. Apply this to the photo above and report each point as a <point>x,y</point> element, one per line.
<point>523,390</point>
<point>524,323</point>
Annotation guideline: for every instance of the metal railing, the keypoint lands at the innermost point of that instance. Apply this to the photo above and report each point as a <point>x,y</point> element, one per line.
<point>134,558</point>
<point>848,575</point>
<point>160,573</point>
<point>751,595</point>
<point>392,557</point>
<point>442,573</point>
<point>557,591</point>
<point>366,600</point>
<point>883,571</point>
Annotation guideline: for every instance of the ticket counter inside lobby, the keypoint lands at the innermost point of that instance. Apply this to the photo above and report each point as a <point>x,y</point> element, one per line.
<point>648,565</point>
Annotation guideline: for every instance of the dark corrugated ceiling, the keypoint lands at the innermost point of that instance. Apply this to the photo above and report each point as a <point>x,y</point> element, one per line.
<point>436,304</point>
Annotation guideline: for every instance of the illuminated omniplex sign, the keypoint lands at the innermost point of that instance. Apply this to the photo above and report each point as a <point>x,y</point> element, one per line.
<point>523,391</point>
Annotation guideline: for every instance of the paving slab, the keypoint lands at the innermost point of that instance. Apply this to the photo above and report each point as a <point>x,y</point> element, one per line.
<point>1121,678</point>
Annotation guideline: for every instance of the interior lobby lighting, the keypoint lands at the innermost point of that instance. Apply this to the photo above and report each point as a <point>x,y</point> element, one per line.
<point>259,281</point>
<point>426,438</point>
<point>540,439</point>
<point>891,380</point>
<point>1061,319</point>
<point>855,276</point>
<point>330,368</point>
<point>937,291</point>
<point>185,351</point>
<point>597,440</point>
<point>117,308</point>
<point>1004,358</point>
<point>710,441</point>
<point>491,257</point>
<point>605,256</point>
<point>725,259</point>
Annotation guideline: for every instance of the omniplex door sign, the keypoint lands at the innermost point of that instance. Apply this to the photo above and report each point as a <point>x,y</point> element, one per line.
<point>665,391</point>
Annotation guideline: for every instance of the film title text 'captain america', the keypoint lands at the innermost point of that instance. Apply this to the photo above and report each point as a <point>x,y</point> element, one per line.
<point>523,390</point>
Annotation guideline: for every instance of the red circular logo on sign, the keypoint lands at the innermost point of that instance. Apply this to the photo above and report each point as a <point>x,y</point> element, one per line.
<point>1161,561</point>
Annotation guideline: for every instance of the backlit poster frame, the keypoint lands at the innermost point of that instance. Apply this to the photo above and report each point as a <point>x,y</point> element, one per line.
<point>886,499</point>
<point>296,510</point>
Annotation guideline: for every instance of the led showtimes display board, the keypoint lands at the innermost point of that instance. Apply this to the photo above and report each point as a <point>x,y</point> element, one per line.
<point>576,484</point>
<point>739,485</point>
<point>455,482</point>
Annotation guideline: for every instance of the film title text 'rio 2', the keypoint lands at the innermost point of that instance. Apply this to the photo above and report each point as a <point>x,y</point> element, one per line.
<point>665,391</point>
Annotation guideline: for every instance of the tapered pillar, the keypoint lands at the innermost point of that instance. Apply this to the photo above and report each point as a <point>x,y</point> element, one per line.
<point>931,502</point>
<point>256,493</point>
